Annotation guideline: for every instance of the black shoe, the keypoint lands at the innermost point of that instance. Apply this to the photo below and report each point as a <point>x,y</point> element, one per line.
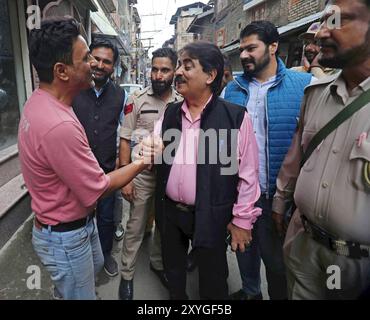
<point>161,275</point>
<point>191,262</point>
<point>110,266</point>
<point>241,295</point>
<point>126,290</point>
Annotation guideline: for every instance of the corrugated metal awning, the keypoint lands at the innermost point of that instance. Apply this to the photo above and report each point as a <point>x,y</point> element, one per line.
<point>231,46</point>
<point>299,23</point>
<point>282,30</point>
<point>102,21</point>
<point>89,4</point>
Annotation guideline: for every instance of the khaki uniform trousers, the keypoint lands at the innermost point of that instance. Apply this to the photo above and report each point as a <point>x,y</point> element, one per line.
<point>140,209</point>
<point>310,272</point>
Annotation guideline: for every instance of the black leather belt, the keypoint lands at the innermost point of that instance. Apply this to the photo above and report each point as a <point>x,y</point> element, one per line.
<point>349,249</point>
<point>181,206</point>
<point>65,226</point>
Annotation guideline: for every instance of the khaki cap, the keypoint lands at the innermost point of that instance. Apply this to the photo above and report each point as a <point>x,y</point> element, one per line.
<point>311,31</point>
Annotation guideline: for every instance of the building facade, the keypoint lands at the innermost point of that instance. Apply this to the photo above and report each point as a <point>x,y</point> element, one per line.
<point>202,25</point>
<point>106,19</point>
<point>182,20</point>
<point>292,17</point>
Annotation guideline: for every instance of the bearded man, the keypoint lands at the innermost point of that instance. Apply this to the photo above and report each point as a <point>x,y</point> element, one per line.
<point>327,247</point>
<point>272,94</point>
<point>142,110</point>
<point>99,109</point>
<point>311,54</point>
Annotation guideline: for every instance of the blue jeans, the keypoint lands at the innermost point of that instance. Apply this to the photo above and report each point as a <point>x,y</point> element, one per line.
<point>268,245</point>
<point>72,258</point>
<point>105,222</point>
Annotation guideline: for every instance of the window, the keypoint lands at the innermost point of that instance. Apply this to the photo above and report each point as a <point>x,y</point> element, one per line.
<point>220,37</point>
<point>258,12</point>
<point>9,104</point>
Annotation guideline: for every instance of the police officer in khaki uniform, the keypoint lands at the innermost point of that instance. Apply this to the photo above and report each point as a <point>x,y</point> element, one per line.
<point>311,50</point>
<point>142,110</point>
<point>327,246</point>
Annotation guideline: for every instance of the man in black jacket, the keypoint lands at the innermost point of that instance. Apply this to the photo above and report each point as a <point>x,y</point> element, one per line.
<point>99,110</point>
<point>207,186</point>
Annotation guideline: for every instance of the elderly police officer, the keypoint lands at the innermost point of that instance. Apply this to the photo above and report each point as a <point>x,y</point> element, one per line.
<point>330,257</point>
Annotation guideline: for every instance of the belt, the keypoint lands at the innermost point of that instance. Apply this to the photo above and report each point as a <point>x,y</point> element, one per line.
<point>181,206</point>
<point>65,226</point>
<point>345,248</point>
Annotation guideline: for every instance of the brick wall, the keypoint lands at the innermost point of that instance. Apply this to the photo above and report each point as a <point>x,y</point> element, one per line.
<point>302,8</point>
<point>232,18</point>
<point>275,11</point>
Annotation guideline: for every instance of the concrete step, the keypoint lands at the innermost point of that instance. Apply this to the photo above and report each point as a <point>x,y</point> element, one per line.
<point>15,207</point>
<point>11,193</point>
<point>9,164</point>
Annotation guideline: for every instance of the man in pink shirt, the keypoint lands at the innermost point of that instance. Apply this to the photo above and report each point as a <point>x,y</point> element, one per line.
<point>61,173</point>
<point>207,183</point>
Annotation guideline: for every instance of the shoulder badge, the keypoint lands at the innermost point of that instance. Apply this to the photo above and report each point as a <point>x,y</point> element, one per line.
<point>128,108</point>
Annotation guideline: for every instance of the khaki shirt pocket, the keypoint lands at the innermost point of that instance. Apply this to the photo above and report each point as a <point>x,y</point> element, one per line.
<point>307,136</point>
<point>147,118</point>
<point>359,166</point>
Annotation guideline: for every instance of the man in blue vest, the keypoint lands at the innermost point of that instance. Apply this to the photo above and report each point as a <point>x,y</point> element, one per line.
<point>272,95</point>
<point>99,110</point>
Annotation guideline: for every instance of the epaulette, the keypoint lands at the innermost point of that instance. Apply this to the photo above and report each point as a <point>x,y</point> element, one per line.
<point>324,81</point>
<point>140,92</point>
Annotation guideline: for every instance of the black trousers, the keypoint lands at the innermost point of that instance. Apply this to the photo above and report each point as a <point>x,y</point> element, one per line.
<point>212,262</point>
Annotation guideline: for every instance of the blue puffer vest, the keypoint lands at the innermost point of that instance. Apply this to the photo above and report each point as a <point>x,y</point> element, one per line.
<point>282,107</point>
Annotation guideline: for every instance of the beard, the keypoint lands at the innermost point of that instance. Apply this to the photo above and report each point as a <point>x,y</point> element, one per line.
<point>101,80</point>
<point>345,58</point>
<point>258,65</point>
<point>310,56</point>
<point>160,87</point>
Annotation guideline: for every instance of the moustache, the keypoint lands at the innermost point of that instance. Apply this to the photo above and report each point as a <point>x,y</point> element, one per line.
<point>328,44</point>
<point>310,50</point>
<point>179,80</point>
<point>159,83</point>
<point>99,70</point>
<point>246,61</point>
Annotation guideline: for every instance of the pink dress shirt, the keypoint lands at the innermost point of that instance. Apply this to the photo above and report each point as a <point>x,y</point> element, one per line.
<point>181,186</point>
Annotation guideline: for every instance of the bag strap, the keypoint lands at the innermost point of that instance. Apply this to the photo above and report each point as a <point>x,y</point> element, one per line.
<point>334,123</point>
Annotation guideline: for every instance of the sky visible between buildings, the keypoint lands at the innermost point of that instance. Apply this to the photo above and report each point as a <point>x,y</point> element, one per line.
<point>155,20</point>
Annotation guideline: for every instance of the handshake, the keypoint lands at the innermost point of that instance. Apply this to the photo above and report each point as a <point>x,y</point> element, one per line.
<point>148,150</point>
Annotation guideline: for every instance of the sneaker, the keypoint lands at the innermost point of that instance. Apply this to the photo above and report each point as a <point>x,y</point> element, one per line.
<point>241,295</point>
<point>110,266</point>
<point>56,294</point>
<point>119,233</point>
